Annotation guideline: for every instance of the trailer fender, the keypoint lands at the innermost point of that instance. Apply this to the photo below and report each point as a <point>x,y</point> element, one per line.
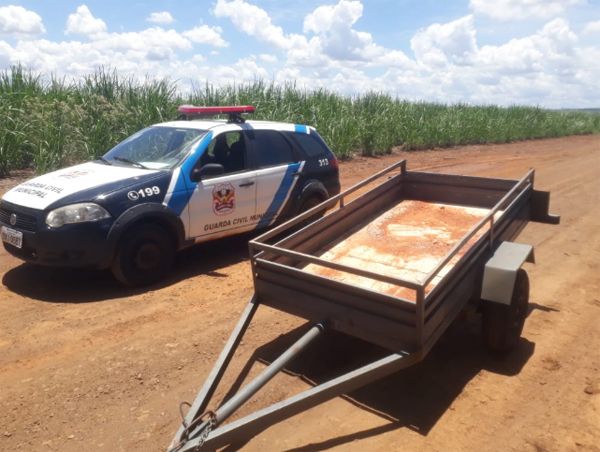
<point>500,271</point>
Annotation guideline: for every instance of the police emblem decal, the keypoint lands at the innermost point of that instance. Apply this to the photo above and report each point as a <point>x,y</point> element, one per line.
<point>223,199</point>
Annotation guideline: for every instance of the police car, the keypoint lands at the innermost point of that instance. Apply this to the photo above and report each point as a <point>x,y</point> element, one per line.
<point>165,188</point>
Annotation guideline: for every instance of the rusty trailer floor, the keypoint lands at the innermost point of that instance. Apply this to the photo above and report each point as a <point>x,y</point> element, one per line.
<point>407,241</point>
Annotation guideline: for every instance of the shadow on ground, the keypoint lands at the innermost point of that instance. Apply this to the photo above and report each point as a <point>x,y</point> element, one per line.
<point>414,398</point>
<point>68,285</point>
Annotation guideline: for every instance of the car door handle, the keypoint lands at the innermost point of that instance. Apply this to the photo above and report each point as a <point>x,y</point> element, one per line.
<point>246,184</point>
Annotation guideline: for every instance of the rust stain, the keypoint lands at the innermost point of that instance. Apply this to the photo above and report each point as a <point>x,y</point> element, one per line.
<point>407,241</point>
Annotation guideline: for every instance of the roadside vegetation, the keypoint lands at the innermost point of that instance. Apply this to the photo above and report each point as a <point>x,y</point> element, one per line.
<point>48,124</point>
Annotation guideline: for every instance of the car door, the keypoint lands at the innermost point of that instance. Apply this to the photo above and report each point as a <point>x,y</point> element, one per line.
<point>277,172</point>
<point>224,204</point>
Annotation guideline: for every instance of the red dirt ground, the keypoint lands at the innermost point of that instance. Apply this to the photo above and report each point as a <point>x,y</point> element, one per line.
<point>86,364</point>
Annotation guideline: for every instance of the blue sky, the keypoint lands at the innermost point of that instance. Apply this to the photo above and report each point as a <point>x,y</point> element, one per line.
<point>544,52</point>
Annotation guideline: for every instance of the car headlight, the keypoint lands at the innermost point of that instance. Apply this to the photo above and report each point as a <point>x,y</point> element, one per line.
<point>76,213</point>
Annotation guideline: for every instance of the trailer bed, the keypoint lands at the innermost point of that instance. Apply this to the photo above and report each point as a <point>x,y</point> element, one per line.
<point>395,265</point>
<point>407,241</point>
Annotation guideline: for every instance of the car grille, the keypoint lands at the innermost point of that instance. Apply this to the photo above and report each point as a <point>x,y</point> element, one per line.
<point>25,221</point>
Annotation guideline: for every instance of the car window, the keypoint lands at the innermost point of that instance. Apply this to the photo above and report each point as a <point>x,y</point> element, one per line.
<point>310,144</point>
<point>155,147</point>
<point>270,148</point>
<point>227,149</point>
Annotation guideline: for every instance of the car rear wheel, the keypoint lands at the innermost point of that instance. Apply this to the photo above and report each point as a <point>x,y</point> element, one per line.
<point>308,204</point>
<point>145,255</point>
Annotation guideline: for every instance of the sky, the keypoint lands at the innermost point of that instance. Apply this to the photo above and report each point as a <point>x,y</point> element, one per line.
<point>506,52</point>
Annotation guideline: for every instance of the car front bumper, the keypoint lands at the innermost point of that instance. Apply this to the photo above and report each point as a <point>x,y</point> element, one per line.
<point>72,245</point>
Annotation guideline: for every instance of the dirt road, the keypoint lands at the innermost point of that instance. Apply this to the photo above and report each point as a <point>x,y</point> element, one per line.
<point>85,364</point>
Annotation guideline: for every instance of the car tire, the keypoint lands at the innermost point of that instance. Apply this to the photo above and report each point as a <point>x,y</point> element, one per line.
<point>308,204</point>
<point>145,255</point>
<point>502,325</point>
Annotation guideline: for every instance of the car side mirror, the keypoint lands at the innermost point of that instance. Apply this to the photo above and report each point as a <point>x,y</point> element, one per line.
<point>207,171</point>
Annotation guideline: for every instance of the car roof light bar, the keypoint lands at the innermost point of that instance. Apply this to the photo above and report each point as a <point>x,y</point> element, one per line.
<point>234,112</point>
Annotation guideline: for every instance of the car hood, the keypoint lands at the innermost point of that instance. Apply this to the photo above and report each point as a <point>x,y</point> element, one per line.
<point>42,191</point>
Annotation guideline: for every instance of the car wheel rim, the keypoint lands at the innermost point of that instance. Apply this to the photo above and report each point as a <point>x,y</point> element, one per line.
<point>147,256</point>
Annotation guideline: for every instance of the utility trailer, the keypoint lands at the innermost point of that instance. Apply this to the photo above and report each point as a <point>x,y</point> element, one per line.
<point>394,266</point>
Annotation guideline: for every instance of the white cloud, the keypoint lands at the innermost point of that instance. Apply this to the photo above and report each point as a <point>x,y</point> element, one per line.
<point>256,22</point>
<point>505,10</point>
<point>18,21</point>
<point>243,69</point>
<point>550,66</point>
<point>161,17</point>
<point>203,34</point>
<point>84,23</point>
<point>591,27</point>
<point>5,55</point>
<point>268,58</point>
<point>143,41</point>
<point>309,54</point>
<point>336,37</point>
<point>543,68</point>
<point>338,41</point>
<point>326,17</point>
<point>557,37</point>
<point>144,52</point>
<point>550,50</point>
<point>439,44</point>
<point>394,58</point>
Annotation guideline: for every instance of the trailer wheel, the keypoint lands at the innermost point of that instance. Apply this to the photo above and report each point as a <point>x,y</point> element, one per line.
<point>145,254</point>
<point>502,325</point>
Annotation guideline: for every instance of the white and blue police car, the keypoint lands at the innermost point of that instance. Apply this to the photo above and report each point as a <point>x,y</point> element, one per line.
<point>167,187</point>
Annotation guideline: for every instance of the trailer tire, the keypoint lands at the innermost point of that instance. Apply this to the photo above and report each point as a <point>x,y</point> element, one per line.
<point>144,255</point>
<point>502,325</point>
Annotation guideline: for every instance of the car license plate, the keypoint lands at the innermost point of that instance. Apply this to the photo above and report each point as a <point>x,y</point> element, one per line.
<point>15,238</point>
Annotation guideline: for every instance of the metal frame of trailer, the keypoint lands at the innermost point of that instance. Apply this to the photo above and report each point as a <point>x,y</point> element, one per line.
<point>409,329</point>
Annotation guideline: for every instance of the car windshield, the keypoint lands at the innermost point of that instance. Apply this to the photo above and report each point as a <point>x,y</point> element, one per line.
<point>154,147</point>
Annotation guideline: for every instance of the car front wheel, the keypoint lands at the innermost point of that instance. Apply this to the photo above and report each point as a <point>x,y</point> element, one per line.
<point>145,255</point>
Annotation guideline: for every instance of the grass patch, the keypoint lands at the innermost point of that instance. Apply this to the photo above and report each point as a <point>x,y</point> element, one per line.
<point>49,124</point>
